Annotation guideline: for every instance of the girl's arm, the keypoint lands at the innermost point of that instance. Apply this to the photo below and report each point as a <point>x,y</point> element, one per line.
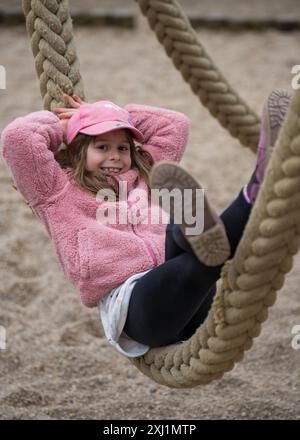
<point>28,146</point>
<point>165,131</point>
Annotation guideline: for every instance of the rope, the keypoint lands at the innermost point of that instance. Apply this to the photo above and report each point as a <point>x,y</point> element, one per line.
<point>49,26</point>
<point>174,32</point>
<point>250,281</point>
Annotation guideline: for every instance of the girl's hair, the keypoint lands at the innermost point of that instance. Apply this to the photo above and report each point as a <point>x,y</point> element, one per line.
<point>75,155</point>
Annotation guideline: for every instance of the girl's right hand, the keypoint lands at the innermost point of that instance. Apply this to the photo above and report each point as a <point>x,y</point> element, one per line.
<point>67,112</point>
<point>64,125</point>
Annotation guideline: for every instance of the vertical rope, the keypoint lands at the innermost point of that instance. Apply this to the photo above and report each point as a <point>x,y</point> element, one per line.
<point>49,26</point>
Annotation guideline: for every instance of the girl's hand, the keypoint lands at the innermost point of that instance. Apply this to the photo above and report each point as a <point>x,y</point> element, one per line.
<point>64,125</point>
<point>66,112</point>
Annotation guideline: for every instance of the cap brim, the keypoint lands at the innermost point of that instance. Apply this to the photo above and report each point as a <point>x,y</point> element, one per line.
<point>105,127</point>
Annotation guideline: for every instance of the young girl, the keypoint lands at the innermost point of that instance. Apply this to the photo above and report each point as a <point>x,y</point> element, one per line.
<point>153,282</point>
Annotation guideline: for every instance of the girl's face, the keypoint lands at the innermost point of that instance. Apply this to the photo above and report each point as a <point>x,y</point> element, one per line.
<point>109,153</point>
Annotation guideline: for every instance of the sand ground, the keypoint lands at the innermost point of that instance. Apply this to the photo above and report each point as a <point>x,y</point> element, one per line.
<point>57,364</point>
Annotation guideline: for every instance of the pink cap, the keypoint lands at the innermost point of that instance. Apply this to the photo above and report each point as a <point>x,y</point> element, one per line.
<point>99,118</point>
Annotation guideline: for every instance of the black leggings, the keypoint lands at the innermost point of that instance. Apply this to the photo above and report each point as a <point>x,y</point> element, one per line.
<point>169,303</point>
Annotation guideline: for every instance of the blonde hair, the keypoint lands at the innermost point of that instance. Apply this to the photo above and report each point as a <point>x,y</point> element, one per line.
<point>75,156</point>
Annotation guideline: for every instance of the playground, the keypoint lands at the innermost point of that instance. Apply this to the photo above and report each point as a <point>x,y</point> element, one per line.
<point>57,363</point>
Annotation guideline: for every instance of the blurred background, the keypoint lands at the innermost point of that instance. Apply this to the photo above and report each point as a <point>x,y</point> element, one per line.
<point>232,13</point>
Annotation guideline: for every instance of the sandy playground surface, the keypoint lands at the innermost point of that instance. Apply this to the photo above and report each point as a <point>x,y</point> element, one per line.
<point>57,364</point>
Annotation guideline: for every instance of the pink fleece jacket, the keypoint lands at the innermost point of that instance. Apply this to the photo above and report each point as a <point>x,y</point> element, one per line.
<point>96,257</point>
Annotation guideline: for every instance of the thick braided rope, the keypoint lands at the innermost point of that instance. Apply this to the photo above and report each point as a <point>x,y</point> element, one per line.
<point>49,25</point>
<point>181,43</point>
<point>249,282</point>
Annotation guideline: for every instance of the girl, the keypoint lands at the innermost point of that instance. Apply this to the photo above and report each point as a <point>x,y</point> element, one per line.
<point>154,283</point>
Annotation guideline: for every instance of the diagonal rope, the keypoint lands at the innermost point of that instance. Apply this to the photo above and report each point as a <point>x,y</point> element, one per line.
<point>173,30</point>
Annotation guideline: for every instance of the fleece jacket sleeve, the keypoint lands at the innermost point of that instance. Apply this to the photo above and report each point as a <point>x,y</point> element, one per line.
<point>28,145</point>
<point>165,131</point>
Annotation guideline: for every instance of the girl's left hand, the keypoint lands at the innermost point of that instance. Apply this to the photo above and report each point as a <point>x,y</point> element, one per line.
<point>66,112</point>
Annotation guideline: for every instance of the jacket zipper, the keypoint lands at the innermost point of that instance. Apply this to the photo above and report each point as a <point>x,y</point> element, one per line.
<point>149,247</point>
